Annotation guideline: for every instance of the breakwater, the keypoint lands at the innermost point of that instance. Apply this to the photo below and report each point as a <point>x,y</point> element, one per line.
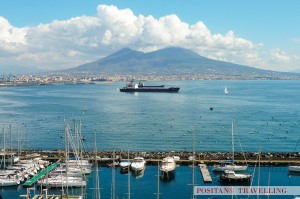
<point>250,158</point>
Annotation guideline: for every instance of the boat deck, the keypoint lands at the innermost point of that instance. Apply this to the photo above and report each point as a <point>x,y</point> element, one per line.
<point>56,197</point>
<point>205,173</point>
<point>35,178</point>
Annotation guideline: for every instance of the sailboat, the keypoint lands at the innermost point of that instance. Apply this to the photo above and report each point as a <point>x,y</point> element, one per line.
<point>7,179</point>
<point>225,90</point>
<point>229,165</point>
<point>295,168</point>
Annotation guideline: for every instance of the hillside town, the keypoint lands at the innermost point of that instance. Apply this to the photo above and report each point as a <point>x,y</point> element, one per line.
<point>77,78</point>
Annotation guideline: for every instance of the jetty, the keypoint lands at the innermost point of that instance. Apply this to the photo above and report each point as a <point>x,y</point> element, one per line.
<point>208,158</point>
<point>35,178</point>
<point>205,173</point>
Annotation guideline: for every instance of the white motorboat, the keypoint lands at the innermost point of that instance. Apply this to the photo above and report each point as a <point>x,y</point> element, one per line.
<point>138,164</point>
<point>124,165</point>
<point>168,164</point>
<point>225,166</point>
<point>167,167</point>
<point>231,176</point>
<point>294,168</point>
<point>9,182</point>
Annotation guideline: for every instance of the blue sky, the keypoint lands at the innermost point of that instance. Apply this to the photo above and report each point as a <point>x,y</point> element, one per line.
<point>269,28</point>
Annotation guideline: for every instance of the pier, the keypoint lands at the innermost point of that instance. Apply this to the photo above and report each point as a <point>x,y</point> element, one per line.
<point>205,173</point>
<point>208,158</point>
<point>31,181</point>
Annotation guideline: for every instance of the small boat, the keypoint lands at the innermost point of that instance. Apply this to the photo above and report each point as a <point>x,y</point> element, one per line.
<point>168,167</point>
<point>112,164</point>
<point>228,165</point>
<point>9,182</point>
<point>225,90</point>
<point>294,168</point>
<point>124,166</point>
<point>231,176</point>
<point>138,164</point>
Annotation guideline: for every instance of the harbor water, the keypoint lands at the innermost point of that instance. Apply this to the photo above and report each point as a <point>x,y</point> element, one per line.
<point>265,113</point>
<point>146,186</point>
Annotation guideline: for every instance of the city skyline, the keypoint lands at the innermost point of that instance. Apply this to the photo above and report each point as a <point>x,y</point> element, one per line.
<point>57,35</point>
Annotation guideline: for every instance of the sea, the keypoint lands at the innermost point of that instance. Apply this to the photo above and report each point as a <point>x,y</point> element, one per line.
<point>260,113</point>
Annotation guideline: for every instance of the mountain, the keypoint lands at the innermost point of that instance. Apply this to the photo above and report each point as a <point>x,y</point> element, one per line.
<point>167,61</point>
<point>296,71</point>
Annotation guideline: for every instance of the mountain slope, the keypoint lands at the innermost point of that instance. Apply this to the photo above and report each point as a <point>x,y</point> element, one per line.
<point>167,61</point>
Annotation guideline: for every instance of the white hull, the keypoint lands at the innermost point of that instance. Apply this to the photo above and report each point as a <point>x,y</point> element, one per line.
<point>232,176</point>
<point>168,165</point>
<point>8,182</point>
<point>59,183</point>
<point>294,168</point>
<point>138,164</point>
<point>230,167</point>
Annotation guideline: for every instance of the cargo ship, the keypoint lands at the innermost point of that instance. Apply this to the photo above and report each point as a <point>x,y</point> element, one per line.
<point>140,87</point>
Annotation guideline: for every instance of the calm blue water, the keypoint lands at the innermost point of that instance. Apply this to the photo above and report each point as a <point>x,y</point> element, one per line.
<point>266,113</point>
<point>180,187</point>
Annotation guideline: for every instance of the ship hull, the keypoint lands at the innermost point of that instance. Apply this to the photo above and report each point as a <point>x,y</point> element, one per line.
<point>153,89</point>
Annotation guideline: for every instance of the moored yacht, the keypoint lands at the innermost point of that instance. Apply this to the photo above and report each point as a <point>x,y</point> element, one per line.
<point>294,168</point>
<point>8,182</point>
<point>138,164</point>
<point>168,167</point>
<point>124,165</point>
<point>231,176</point>
<point>229,165</point>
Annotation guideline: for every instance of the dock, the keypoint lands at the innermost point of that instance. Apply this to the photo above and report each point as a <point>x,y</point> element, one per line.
<point>205,173</point>
<point>35,178</point>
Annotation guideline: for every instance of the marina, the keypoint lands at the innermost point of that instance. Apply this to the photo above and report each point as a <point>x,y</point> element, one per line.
<point>41,174</point>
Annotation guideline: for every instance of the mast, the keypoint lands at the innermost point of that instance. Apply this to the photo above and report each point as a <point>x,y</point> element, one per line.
<point>232,142</point>
<point>157,196</point>
<point>113,177</point>
<point>11,155</point>
<point>193,177</point>
<point>3,131</point>
<point>96,170</point>
<point>258,175</point>
<point>128,176</point>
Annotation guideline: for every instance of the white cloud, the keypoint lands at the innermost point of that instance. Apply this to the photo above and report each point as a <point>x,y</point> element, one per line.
<point>279,55</point>
<point>68,43</point>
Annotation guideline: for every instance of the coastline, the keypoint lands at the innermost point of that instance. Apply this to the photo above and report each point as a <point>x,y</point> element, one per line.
<point>210,158</point>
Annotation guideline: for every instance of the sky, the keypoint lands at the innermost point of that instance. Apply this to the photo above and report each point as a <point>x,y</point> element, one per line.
<point>60,34</point>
